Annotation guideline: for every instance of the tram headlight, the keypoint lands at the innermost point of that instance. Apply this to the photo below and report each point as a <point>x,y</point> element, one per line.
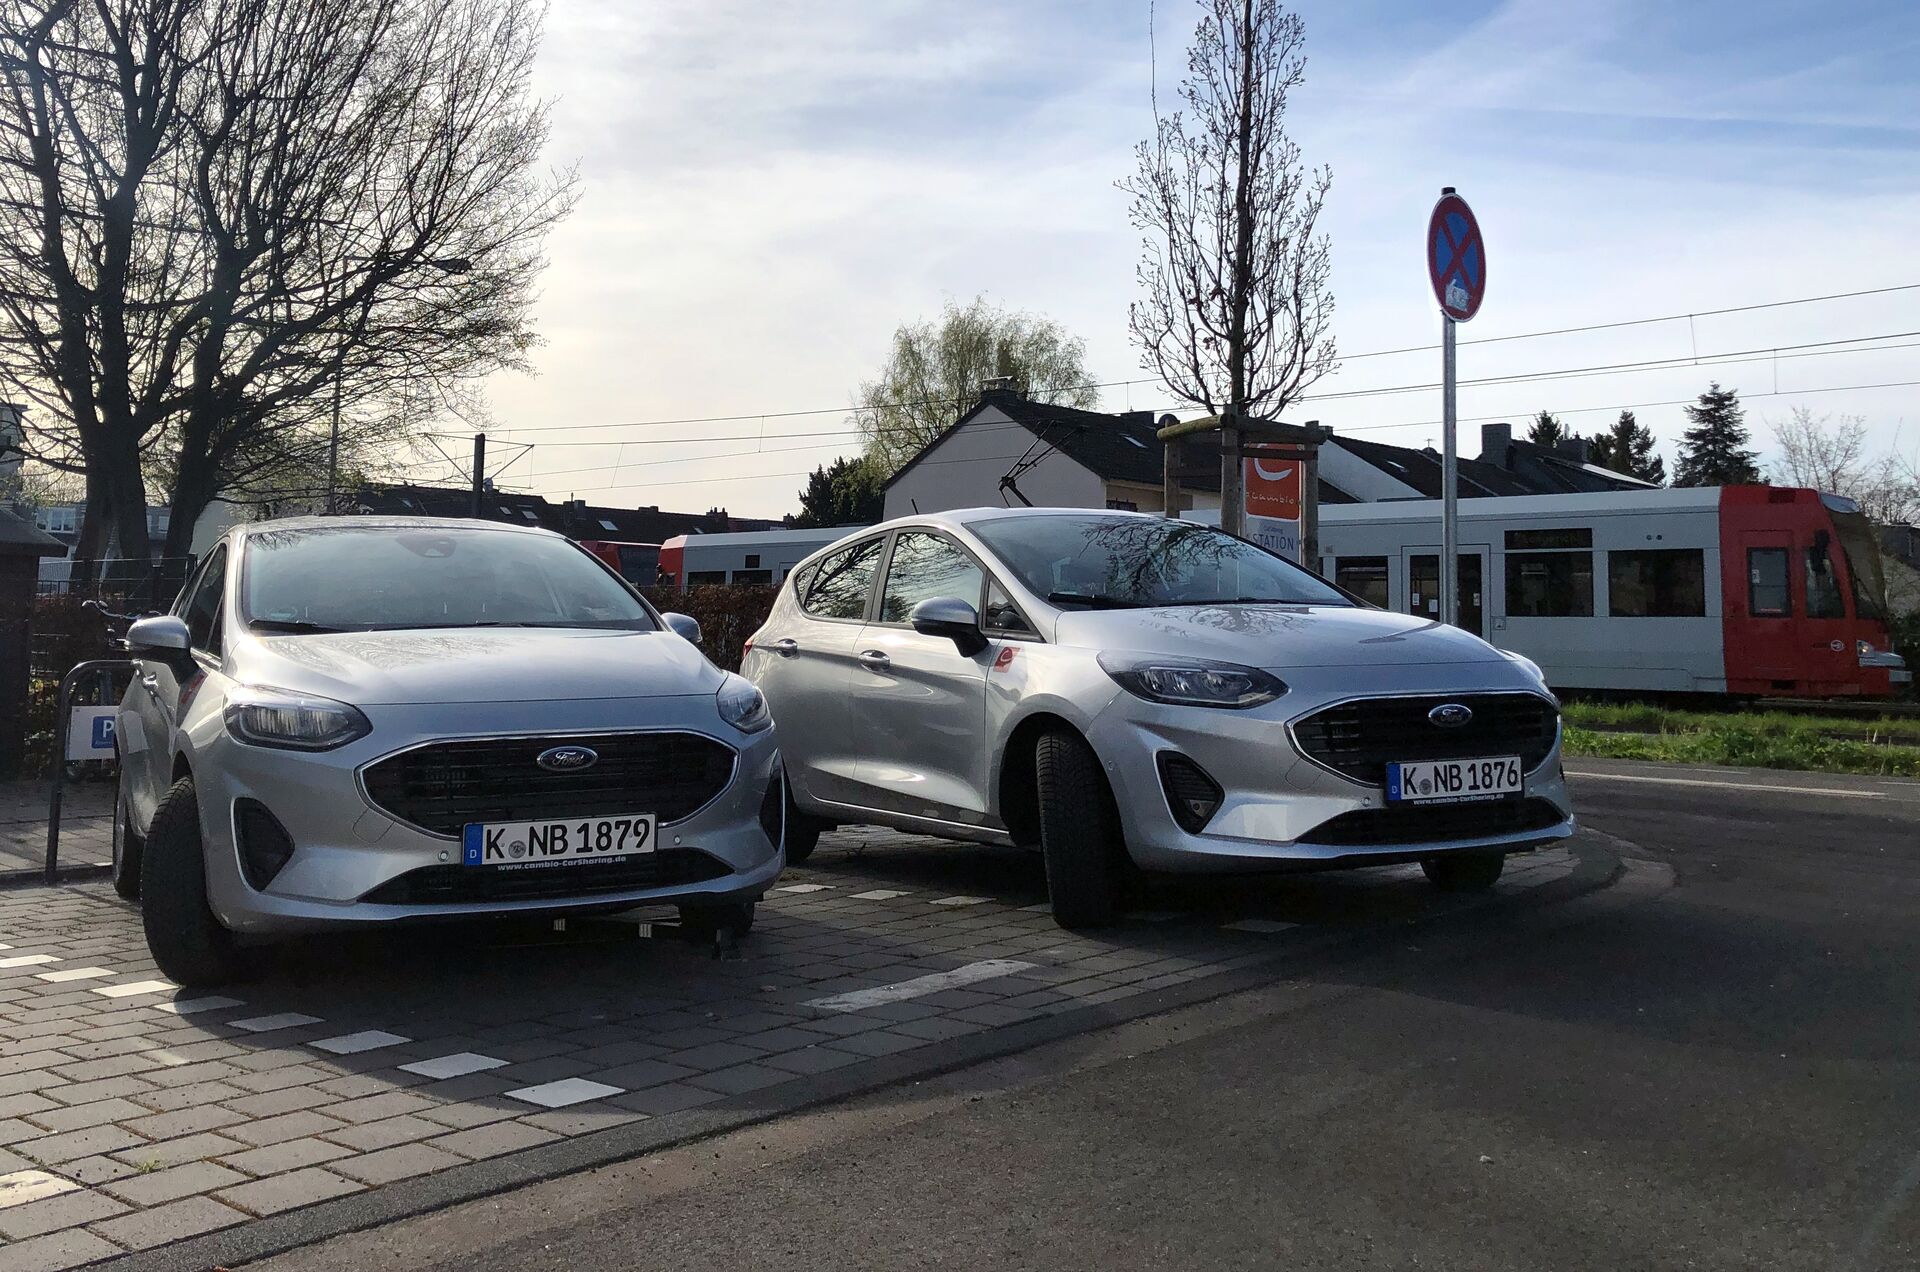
<point>1862,647</point>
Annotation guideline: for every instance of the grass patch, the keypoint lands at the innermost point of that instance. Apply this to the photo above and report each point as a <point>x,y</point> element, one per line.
<point>1647,717</point>
<point>1739,741</point>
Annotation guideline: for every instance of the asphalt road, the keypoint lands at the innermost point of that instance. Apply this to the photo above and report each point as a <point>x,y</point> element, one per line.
<point>1711,1065</point>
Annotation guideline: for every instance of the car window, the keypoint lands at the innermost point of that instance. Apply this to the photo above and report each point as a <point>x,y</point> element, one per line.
<point>364,578</point>
<point>925,566</point>
<point>840,588</point>
<point>1002,617</point>
<point>203,607</point>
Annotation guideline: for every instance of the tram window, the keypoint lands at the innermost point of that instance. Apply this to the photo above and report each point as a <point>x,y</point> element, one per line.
<point>1657,583</point>
<point>1823,585</point>
<point>1767,594</point>
<point>704,578</point>
<point>760,577</point>
<point>1535,540</point>
<point>1549,584</point>
<point>1365,577</point>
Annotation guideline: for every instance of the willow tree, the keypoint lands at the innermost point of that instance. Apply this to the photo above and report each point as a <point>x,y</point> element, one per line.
<point>226,223</point>
<point>1237,315</point>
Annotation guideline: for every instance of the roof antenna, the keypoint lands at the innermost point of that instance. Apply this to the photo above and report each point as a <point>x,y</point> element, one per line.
<point>915,505</point>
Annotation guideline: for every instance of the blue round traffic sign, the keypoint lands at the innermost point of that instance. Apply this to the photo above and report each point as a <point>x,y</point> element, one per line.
<point>1456,257</point>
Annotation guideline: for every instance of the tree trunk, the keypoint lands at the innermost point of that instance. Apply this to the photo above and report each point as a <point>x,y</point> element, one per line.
<point>1233,502</point>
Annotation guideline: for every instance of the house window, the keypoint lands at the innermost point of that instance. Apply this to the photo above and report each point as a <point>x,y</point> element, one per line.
<point>1657,583</point>
<point>1123,505</point>
<point>607,525</point>
<point>1365,577</point>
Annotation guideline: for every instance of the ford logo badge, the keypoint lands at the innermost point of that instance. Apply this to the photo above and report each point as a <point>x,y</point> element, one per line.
<point>1448,715</point>
<point>571,759</point>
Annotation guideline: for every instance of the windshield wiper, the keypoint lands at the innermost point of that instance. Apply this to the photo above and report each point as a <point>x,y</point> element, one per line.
<point>291,626</point>
<point>1094,602</point>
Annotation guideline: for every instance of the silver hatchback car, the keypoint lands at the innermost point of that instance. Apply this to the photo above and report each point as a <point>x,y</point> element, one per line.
<point>355,721</point>
<point>1120,689</point>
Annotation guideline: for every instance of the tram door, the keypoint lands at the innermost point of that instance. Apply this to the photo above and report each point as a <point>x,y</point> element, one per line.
<point>1423,586</point>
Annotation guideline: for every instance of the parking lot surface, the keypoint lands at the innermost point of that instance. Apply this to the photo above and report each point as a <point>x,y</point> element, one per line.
<point>133,1114</point>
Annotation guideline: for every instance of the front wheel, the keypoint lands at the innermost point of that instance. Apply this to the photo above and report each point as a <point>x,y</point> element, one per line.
<point>186,940</point>
<point>1079,832</point>
<point>703,922</point>
<point>1465,871</point>
<point>128,847</point>
<point>803,832</point>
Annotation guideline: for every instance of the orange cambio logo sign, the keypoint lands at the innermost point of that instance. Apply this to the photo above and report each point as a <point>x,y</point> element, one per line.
<point>1273,489</point>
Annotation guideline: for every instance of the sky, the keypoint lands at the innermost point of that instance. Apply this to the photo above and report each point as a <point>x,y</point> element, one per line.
<point>768,190</point>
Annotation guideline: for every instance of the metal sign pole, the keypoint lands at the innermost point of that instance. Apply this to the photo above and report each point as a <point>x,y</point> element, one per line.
<point>1449,485</point>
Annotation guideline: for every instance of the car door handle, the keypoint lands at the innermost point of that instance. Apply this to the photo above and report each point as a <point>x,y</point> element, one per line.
<point>152,683</point>
<point>787,648</point>
<point>874,660</point>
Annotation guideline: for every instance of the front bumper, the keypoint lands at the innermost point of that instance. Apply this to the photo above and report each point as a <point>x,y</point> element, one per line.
<point>1274,798</point>
<point>346,848</point>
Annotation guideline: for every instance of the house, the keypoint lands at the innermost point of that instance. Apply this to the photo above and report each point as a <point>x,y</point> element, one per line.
<point>574,518</point>
<point>1059,456</point>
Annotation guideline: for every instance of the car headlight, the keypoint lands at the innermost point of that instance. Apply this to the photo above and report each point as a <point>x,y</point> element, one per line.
<point>1527,665</point>
<point>1193,682</point>
<point>742,705</point>
<point>293,721</point>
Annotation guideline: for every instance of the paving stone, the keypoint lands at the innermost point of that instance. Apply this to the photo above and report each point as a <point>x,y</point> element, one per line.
<point>473,1113</point>
<point>581,1121</point>
<point>356,1085</point>
<point>669,1097</point>
<point>568,1091</point>
<point>69,1210</point>
<point>189,1148</point>
<point>175,1221</point>
<point>52,1149</point>
<point>492,1141</point>
<point>278,1158</point>
<point>106,1089</point>
<point>401,1162</point>
<point>25,1187</point>
<point>715,1055</point>
<point>810,1060</point>
<point>287,1126</point>
<point>297,1074</point>
<point>376,1108</point>
<point>276,1193</point>
<point>644,1073</point>
<point>883,1042</point>
<point>157,1187</point>
<point>112,1067</point>
<point>14,1129</point>
<point>55,1251</point>
<point>740,1078</point>
<point>81,1116</point>
<point>286,1100</point>
<point>456,1065</point>
<point>372,1136</point>
<point>96,1170</point>
<point>25,1105</point>
<point>187,1121</point>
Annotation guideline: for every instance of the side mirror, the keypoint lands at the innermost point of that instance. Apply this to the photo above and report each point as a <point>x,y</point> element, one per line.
<point>163,638</point>
<point>684,626</point>
<point>953,618</point>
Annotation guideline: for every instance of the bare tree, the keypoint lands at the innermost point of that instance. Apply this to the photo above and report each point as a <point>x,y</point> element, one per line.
<point>1832,454</point>
<point>216,217</point>
<point>1238,314</point>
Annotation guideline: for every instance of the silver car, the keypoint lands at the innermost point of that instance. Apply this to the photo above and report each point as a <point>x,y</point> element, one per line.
<point>1128,691</point>
<point>357,721</point>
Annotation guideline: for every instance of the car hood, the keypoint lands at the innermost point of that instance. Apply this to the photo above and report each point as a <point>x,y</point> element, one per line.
<point>478,665</point>
<point>1277,637</point>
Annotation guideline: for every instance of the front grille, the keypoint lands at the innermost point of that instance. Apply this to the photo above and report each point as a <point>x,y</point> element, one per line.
<point>1360,738</point>
<point>442,787</point>
<point>470,885</point>
<point>1435,823</point>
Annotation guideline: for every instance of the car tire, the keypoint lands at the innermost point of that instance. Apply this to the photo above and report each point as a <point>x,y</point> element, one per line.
<point>1465,871</point>
<point>802,832</point>
<point>1079,832</point>
<point>128,848</point>
<point>703,921</point>
<point>186,940</point>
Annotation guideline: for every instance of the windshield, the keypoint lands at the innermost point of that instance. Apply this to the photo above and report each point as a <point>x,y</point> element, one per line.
<point>1129,562</point>
<point>1862,549</point>
<point>361,578</point>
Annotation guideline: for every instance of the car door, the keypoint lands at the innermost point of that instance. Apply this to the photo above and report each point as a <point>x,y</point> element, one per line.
<point>158,689</point>
<point>920,703</point>
<point>806,670</point>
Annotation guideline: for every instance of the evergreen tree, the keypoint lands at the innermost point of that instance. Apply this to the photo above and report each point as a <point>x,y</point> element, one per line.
<point>1546,431</point>
<point>1714,451</point>
<point>845,494</point>
<point>1627,448</point>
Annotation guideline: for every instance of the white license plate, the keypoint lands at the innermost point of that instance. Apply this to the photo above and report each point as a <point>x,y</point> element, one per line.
<point>1453,781</point>
<point>543,842</point>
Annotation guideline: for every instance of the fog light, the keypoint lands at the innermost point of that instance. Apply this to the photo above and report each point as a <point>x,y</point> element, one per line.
<point>773,807</point>
<point>1192,797</point>
<point>265,846</point>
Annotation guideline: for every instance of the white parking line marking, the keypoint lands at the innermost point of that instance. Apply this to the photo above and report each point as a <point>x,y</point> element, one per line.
<point>558,1095</point>
<point>354,1043</point>
<point>879,894</point>
<point>265,1024</point>
<point>1731,786</point>
<point>1258,925</point>
<point>5,946</point>
<point>806,887</point>
<point>458,1065</point>
<point>23,1186</point>
<point>921,986</point>
<point>137,987</point>
<point>28,960</point>
<point>1045,907</point>
<point>75,973</point>
<point>188,1006</point>
<point>961,901</point>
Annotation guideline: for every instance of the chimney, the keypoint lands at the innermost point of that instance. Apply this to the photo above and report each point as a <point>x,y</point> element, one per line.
<point>1574,448</point>
<point>1495,443</point>
<point>999,388</point>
